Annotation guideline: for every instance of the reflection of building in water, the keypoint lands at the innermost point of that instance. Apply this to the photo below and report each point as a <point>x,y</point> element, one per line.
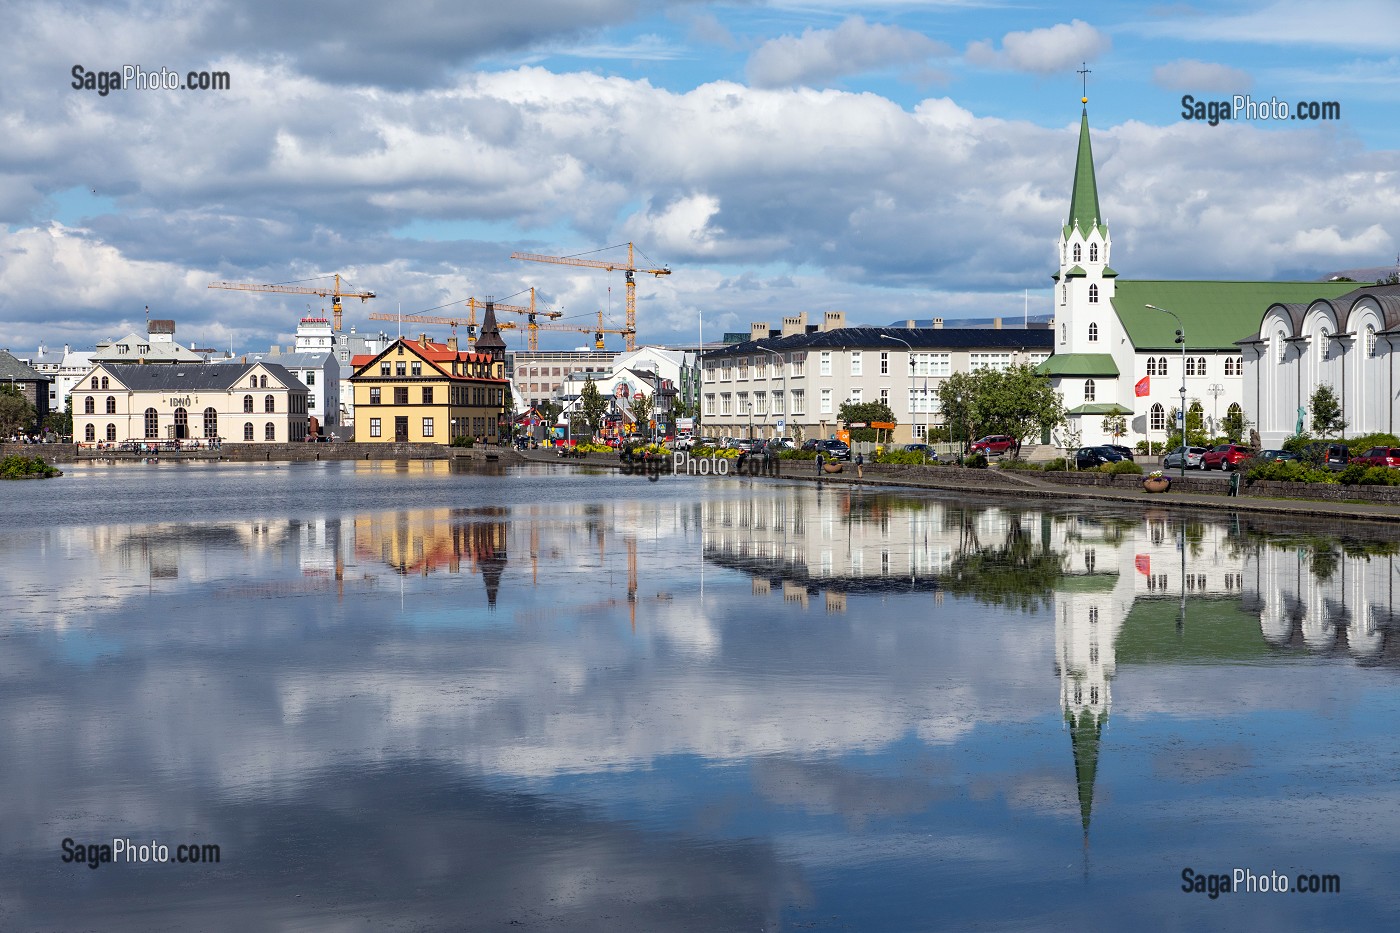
<point>426,540</point>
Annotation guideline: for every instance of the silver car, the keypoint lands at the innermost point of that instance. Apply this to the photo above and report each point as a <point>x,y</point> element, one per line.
<point>1194,458</point>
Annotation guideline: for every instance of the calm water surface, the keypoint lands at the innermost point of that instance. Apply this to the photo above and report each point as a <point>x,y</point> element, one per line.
<point>401,697</point>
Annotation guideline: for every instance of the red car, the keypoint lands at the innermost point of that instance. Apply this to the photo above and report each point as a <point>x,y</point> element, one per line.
<point>1225,457</point>
<point>993,445</point>
<point>1379,456</point>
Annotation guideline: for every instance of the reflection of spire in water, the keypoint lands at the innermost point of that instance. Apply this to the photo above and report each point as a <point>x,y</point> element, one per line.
<point>1085,729</point>
<point>632,580</point>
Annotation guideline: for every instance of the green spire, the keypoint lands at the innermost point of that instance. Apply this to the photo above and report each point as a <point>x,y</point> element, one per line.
<point>1084,199</point>
<point>1084,739</point>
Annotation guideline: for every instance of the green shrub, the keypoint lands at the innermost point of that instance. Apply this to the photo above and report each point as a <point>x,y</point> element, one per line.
<point>1058,464</point>
<point>904,457</point>
<point>1359,445</point>
<point>797,455</point>
<point>591,448</point>
<point>463,441</point>
<point>1288,471</point>
<point>1297,443</point>
<point>1121,466</point>
<point>19,467</point>
<point>724,453</point>
<point>1358,474</point>
<point>976,461</point>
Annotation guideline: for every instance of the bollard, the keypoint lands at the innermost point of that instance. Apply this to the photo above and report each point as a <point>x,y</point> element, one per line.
<point>1235,483</point>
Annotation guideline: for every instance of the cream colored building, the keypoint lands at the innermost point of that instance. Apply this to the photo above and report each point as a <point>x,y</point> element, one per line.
<point>235,403</point>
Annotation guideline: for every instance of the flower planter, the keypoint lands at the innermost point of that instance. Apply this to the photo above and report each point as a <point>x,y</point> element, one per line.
<point>831,467</point>
<point>1156,484</point>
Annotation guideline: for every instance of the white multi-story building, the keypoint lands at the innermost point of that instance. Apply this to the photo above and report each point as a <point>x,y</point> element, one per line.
<point>796,380</point>
<point>314,361</point>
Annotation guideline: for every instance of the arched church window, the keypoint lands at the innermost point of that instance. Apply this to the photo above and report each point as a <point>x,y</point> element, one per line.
<point>1281,342</point>
<point>1324,338</point>
<point>1158,417</point>
<point>1200,365</point>
<point>1076,252</point>
<point>1370,340</point>
<point>1093,252</point>
<point>1064,293</point>
<point>1064,333</point>
<point>1190,366</point>
<point>1093,294</point>
<point>1093,333</point>
<point>1088,390</point>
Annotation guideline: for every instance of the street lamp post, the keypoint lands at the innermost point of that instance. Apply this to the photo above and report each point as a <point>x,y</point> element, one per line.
<point>1181,412</point>
<point>911,386</point>
<point>749,406</point>
<point>782,371</point>
<point>1216,390</point>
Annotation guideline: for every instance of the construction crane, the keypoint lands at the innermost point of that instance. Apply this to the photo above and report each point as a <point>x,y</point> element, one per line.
<point>531,326</point>
<point>597,332</point>
<point>469,322</point>
<point>334,293</point>
<point>630,269</point>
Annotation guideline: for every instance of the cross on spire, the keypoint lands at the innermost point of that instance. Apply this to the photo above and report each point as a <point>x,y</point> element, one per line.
<point>1084,72</point>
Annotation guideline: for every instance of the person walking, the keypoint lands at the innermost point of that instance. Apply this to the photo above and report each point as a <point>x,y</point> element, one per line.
<point>819,466</point>
<point>860,466</point>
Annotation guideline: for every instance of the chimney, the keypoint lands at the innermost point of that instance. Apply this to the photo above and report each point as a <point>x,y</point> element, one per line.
<point>758,330</point>
<point>909,325</point>
<point>795,324</point>
<point>275,351</point>
<point>834,320</point>
<point>938,323</point>
<point>996,323</point>
<point>452,343</point>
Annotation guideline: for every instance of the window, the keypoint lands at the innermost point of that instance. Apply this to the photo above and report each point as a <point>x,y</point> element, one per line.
<point>1078,254</point>
<point>760,403</point>
<point>374,395</point>
<point>211,423</point>
<point>111,405</point>
<point>262,382</point>
<point>152,423</point>
<point>417,368</point>
<point>1157,418</point>
<point>94,382</point>
<point>1190,366</point>
<point>799,364</point>
<point>310,378</point>
<point>1093,252</point>
<point>1064,294</point>
<point>884,364</point>
<point>89,405</point>
<point>998,361</point>
<point>427,427</point>
<point>111,432</point>
<point>1234,411</point>
<point>269,404</point>
<point>709,405</point>
<point>857,363</point>
<point>104,382</point>
<point>90,433</point>
<point>1093,294</point>
<point>726,404</point>
<point>1234,366</point>
<point>400,395</point>
<point>384,368</point>
<point>182,423</point>
<point>857,396</point>
<point>1200,365</point>
<point>427,395</point>
<point>777,403</point>
<point>1093,333</point>
<point>933,364</point>
<point>248,404</point>
<point>1324,339</point>
<point>1088,390</point>
<point>885,397</point>
<point>920,432</point>
<point>825,364</point>
<point>400,368</point>
<point>375,428</point>
<point>248,431</point>
<point>799,401</point>
<point>826,402</point>
<point>1282,343</point>
<point>269,432</point>
<point>1064,333</point>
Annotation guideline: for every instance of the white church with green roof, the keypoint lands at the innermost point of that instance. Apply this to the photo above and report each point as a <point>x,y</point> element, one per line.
<point>1115,355</point>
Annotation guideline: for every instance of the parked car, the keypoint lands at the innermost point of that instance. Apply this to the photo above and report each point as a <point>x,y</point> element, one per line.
<point>832,450</point>
<point>1379,456</point>
<point>993,445</point>
<point>1275,456</point>
<point>924,449</point>
<point>1194,458</point>
<point>1225,457</point>
<point>1088,458</point>
<point>1127,452</point>
<point>1328,456</point>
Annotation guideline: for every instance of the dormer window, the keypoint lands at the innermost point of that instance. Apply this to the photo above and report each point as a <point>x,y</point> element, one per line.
<point>1093,294</point>
<point>1093,252</point>
<point>1093,333</point>
<point>1077,252</point>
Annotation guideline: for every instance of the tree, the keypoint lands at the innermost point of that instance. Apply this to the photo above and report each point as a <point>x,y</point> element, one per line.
<point>1326,412</point>
<point>1115,425</point>
<point>957,400</point>
<point>1235,424</point>
<point>549,412</point>
<point>17,413</point>
<point>61,422</point>
<point>864,412</point>
<point>1017,401</point>
<point>640,409</point>
<point>1195,426</point>
<point>593,405</point>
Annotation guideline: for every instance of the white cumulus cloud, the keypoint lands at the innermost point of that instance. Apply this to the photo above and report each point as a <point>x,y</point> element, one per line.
<point>1043,51</point>
<point>822,54</point>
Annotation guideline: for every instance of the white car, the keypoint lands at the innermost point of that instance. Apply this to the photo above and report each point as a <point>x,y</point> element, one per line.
<point>684,442</point>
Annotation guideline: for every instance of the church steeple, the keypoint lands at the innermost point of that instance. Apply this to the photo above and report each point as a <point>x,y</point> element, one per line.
<point>1084,198</point>
<point>1085,726</point>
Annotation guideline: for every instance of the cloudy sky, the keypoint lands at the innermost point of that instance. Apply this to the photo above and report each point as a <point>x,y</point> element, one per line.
<point>891,159</point>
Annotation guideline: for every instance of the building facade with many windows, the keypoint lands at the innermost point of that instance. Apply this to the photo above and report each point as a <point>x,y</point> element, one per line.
<point>232,403</point>
<point>426,392</point>
<point>795,382</point>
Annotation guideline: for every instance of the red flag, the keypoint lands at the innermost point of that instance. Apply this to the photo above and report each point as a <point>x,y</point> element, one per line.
<point>1144,386</point>
<point>1143,563</point>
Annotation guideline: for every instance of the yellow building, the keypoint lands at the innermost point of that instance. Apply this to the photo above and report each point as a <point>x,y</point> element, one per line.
<point>426,392</point>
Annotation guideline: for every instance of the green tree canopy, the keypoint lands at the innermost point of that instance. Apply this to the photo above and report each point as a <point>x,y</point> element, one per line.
<point>17,413</point>
<point>593,405</point>
<point>865,413</point>
<point>1327,417</point>
<point>640,410</point>
<point>1017,401</point>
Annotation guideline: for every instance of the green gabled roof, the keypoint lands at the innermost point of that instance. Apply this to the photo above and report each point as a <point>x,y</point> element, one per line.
<point>1084,198</point>
<point>1087,583</point>
<point>1109,273</point>
<point>1100,408</point>
<point>1076,273</point>
<point>1215,314</point>
<point>1081,364</point>
<point>1217,629</point>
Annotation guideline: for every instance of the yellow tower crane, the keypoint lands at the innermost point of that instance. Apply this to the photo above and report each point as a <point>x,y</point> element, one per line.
<point>470,320</point>
<point>629,268</point>
<point>334,293</point>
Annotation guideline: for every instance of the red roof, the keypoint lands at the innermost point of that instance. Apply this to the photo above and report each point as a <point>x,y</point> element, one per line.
<point>436,354</point>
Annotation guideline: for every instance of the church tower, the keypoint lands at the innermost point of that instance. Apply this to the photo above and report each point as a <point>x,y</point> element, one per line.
<point>1084,318</point>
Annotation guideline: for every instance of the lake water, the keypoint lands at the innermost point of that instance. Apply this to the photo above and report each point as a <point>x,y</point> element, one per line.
<point>403,697</point>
